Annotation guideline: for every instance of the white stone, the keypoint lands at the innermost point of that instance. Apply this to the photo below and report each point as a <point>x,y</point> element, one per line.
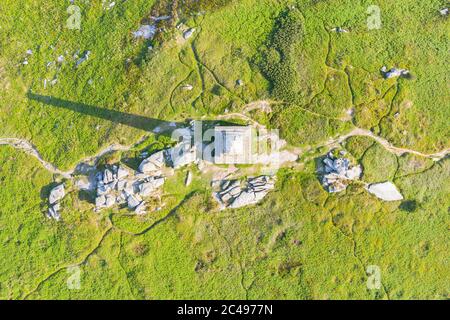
<point>121,184</point>
<point>386,191</point>
<point>53,213</point>
<point>133,201</point>
<point>187,34</point>
<point>187,87</point>
<point>188,179</point>
<point>122,173</point>
<point>107,176</point>
<point>152,163</point>
<point>140,209</point>
<point>100,201</point>
<point>354,173</point>
<point>145,32</point>
<point>56,194</point>
<point>110,201</point>
<point>243,199</point>
<point>444,11</point>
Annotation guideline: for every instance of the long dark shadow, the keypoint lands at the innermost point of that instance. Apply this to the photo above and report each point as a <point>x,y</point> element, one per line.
<point>128,119</point>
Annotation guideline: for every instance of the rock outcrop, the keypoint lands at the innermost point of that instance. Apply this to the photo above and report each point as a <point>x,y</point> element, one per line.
<point>235,194</point>
<point>54,199</point>
<point>56,194</point>
<point>145,32</point>
<point>338,172</point>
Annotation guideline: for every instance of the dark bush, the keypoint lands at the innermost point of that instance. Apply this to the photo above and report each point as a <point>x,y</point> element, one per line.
<point>277,58</point>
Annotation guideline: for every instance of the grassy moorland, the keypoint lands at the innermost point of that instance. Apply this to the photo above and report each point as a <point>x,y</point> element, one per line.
<point>300,242</point>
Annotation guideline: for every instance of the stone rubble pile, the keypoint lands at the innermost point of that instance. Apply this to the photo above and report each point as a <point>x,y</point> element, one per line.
<point>235,194</point>
<point>117,186</point>
<point>338,172</point>
<point>54,200</point>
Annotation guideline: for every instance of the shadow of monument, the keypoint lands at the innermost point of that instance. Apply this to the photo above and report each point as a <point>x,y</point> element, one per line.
<point>132,120</point>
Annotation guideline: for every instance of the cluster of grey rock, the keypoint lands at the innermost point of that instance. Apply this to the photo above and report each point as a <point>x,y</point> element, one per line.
<point>117,186</point>
<point>338,172</point>
<point>54,199</point>
<point>235,194</point>
<point>394,72</point>
<point>146,31</point>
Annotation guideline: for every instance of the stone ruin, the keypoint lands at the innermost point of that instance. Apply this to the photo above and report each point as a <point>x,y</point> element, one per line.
<point>236,194</point>
<point>338,172</point>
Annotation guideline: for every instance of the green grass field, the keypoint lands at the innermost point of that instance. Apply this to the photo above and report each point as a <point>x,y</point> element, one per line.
<point>300,242</point>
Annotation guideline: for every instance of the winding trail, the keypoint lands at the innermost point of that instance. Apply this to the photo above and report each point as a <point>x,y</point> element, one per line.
<point>30,149</point>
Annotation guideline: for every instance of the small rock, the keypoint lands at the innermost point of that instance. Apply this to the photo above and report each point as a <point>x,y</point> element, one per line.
<point>107,176</point>
<point>188,179</point>
<point>187,34</point>
<point>187,87</point>
<point>240,82</point>
<point>83,59</point>
<point>121,184</point>
<point>122,173</point>
<point>53,213</point>
<point>444,11</point>
<point>339,30</point>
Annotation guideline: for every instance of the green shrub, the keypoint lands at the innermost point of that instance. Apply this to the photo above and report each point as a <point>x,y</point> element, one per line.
<point>276,59</point>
